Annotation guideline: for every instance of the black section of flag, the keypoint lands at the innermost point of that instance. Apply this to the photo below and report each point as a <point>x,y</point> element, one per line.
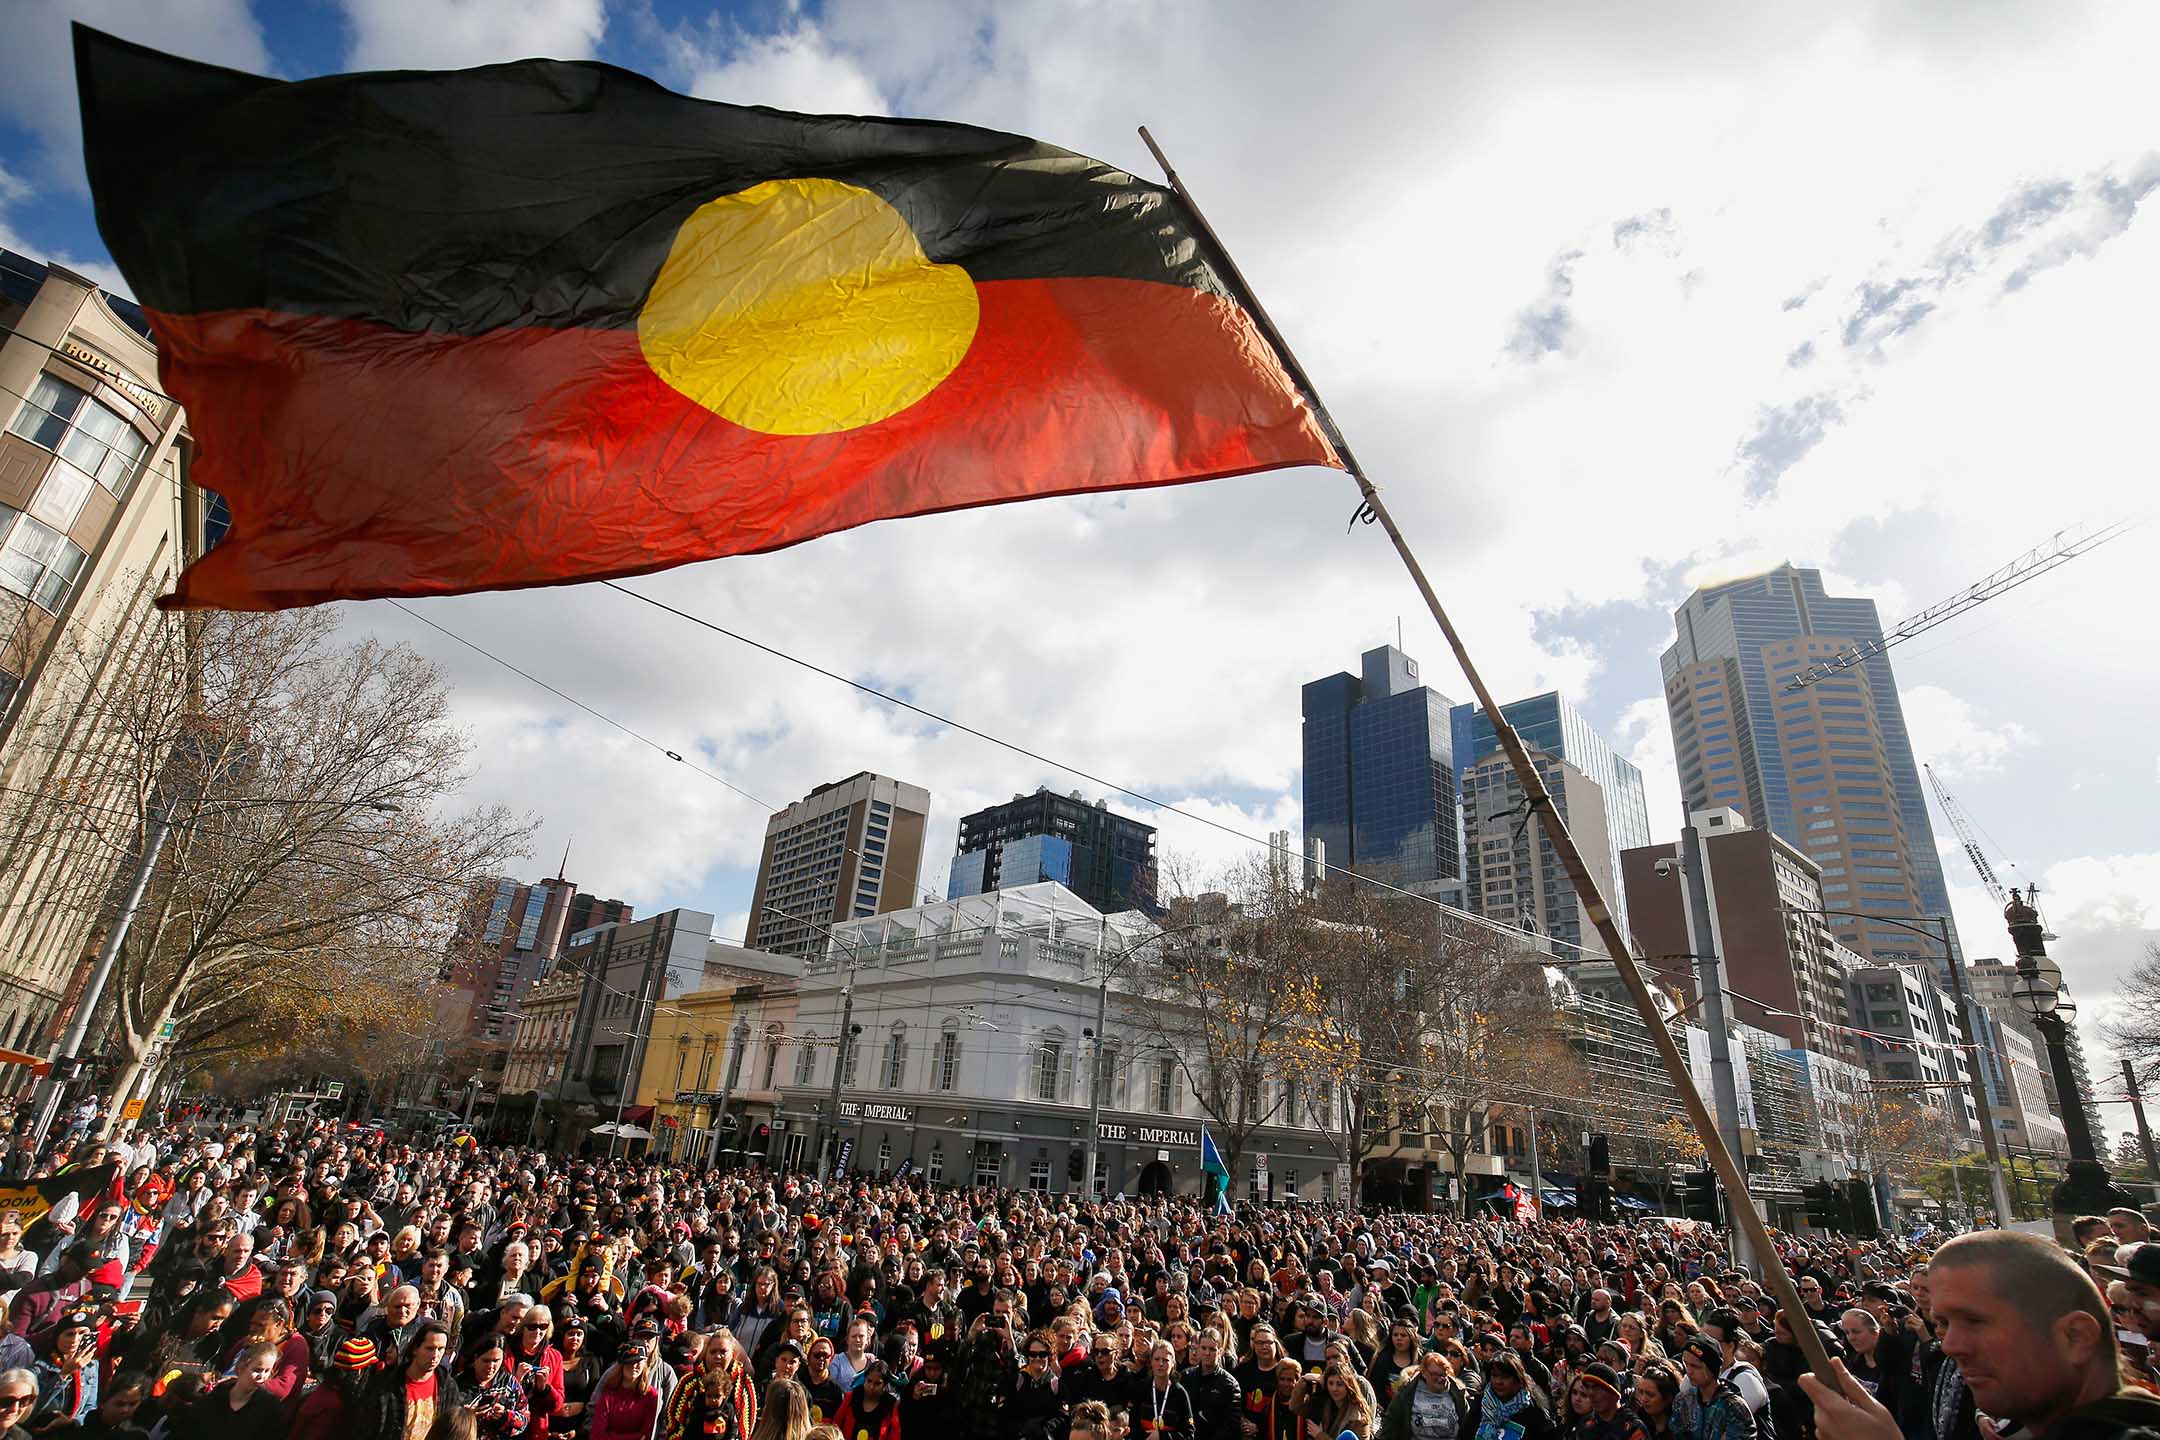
<point>539,193</point>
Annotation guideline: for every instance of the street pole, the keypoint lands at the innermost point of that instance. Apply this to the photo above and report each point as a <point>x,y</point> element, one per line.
<point>1710,980</point>
<point>108,953</point>
<point>2086,1188</point>
<point>1537,1176</point>
<point>1095,1065</point>
<point>720,1114</point>
<point>637,1056</point>
<point>2137,1108</point>
<point>1982,1111</point>
<point>839,1065</point>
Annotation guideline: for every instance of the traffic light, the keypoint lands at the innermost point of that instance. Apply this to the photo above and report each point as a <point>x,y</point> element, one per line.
<point>1860,1200</point>
<point>1596,1198</point>
<point>1698,1196</point>
<point>1827,1207</point>
<point>1075,1165</point>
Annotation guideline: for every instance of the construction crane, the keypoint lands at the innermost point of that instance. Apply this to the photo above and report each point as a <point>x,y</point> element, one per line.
<point>2059,549</point>
<point>1964,829</point>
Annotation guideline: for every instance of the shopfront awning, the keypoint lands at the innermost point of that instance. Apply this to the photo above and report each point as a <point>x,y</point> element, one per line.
<point>637,1114</point>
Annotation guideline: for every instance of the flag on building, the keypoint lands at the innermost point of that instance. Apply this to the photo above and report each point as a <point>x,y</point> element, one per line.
<point>1214,1174</point>
<point>543,322</point>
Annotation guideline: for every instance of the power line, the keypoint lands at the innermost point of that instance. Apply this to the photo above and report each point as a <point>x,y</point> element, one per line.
<point>1484,922</point>
<point>1041,759</point>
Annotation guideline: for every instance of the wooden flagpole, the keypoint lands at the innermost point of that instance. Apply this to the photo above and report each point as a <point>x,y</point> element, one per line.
<point>1775,1276</point>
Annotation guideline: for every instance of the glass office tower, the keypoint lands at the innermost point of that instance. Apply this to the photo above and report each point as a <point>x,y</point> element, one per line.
<point>1827,767</point>
<point>1379,774</point>
<point>1550,724</point>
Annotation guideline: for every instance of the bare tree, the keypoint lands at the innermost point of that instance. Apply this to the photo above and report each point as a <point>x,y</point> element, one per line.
<point>1362,945</point>
<point>293,793</point>
<point>2134,1029</point>
<point>1487,1036</point>
<point>1233,995</point>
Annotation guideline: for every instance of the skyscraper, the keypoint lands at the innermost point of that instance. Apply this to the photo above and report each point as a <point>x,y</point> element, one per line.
<point>1104,858</point>
<point>1380,774</point>
<point>1827,768</point>
<point>507,941</point>
<point>1549,724</point>
<point>848,849</point>
<point>1513,873</point>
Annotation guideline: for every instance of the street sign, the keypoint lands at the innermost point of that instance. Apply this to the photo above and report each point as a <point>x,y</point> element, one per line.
<point>132,1110</point>
<point>165,1031</point>
<point>334,1089</point>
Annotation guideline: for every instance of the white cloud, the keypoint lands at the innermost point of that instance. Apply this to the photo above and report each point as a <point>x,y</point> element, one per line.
<point>793,69</point>
<point>454,34</point>
<point>37,64</point>
<point>1950,735</point>
<point>1399,188</point>
<point>16,194</point>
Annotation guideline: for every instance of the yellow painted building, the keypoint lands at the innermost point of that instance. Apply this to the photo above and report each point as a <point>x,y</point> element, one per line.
<point>686,1070</point>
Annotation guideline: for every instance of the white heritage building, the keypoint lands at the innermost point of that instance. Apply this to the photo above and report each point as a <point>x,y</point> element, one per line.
<point>975,1022</point>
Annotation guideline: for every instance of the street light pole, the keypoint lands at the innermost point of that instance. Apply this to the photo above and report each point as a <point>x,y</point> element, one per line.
<point>48,1103</point>
<point>2086,1187</point>
<point>1095,1069</point>
<point>1095,1065</point>
<point>1710,981</point>
<point>841,1052</point>
<point>847,1029</point>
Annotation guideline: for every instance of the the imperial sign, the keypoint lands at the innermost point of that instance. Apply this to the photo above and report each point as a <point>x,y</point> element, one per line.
<point>1149,1134</point>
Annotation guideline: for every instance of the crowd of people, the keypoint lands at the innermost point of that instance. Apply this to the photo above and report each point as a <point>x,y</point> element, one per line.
<point>323,1282</point>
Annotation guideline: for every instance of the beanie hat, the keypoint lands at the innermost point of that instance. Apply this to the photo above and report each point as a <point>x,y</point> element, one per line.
<point>356,1353</point>
<point>1603,1374</point>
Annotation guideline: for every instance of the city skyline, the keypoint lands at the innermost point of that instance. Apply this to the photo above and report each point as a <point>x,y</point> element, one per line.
<point>1880,337</point>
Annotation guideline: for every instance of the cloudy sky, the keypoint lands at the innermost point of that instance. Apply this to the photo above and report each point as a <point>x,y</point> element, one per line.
<point>1611,301</point>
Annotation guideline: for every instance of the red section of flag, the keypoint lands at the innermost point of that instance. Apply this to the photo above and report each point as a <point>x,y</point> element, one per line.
<point>361,461</point>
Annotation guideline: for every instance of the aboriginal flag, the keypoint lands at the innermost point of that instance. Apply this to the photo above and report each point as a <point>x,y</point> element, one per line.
<point>545,322</point>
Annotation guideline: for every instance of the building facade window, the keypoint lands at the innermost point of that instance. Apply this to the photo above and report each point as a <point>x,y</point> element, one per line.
<point>1049,1062</point>
<point>1039,1174</point>
<point>38,563</point>
<point>805,1059</point>
<point>735,1061</point>
<point>934,1167</point>
<point>94,441</point>
<point>773,1036</point>
<point>1166,1085</point>
<point>896,1057</point>
<point>948,1059</point>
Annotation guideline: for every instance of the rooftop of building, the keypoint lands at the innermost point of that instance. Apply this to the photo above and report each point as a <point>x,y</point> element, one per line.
<point>21,278</point>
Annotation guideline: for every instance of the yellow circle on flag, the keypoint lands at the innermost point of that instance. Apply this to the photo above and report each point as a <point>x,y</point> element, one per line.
<point>804,307</point>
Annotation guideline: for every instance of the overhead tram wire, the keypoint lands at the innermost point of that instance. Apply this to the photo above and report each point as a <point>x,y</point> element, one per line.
<point>1482,922</point>
<point>1144,798</point>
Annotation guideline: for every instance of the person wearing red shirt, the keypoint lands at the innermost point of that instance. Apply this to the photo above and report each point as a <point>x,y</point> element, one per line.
<point>235,1268</point>
<point>538,1366</point>
<point>870,1409</point>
